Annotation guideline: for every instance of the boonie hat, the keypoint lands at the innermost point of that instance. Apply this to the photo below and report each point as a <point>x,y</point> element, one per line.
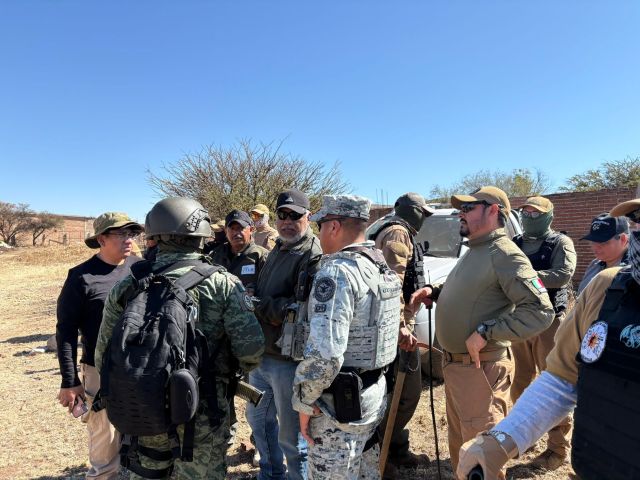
<point>604,227</point>
<point>240,217</point>
<point>260,208</point>
<point>411,199</point>
<point>541,204</point>
<point>110,221</point>
<point>218,226</point>
<point>490,195</point>
<point>350,206</point>
<point>294,200</point>
<point>628,209</point>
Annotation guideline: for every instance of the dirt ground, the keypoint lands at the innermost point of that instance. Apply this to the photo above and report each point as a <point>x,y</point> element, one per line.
<point>41,441</point>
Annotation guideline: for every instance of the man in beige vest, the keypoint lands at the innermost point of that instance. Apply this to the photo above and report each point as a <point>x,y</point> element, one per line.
<point>265,235</point>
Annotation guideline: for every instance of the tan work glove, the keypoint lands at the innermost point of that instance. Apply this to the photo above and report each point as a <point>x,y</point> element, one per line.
<point>484,450</point>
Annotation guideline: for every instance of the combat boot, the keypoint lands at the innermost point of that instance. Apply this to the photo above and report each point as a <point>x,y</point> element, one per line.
<point>409,459</point>
<point>549,460</point>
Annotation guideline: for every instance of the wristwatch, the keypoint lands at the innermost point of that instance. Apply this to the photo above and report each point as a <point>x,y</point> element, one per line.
<point>506,442</point>
<point>482,330</point>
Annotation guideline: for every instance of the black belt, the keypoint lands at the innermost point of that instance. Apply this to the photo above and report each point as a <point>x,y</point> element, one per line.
<point>368,377</point>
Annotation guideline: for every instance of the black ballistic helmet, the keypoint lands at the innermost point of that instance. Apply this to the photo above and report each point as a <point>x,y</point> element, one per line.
<point>178,216</point>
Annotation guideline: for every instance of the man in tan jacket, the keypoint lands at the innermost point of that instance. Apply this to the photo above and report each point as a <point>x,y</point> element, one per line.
<point>265,236</point>
<point>395,237</point>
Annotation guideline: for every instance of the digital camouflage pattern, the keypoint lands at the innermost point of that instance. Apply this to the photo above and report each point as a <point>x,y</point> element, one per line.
<point>338,455</point>
<point>339,298</point>
<point>225,309</point>
<point>350,206</point>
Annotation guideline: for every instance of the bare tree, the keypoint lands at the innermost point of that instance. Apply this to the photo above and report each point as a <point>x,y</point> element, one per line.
<point>245,174</point>
<point>520,182</point>
<point>613,174</point>
<point>40,223</point>
<point>14,218</point>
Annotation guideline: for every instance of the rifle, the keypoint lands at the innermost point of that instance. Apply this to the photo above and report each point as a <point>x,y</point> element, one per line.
<point>248,393</point>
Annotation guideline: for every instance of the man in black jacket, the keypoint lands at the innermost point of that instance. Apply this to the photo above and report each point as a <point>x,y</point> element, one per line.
<point>80,307</point>
<point>282,287</point>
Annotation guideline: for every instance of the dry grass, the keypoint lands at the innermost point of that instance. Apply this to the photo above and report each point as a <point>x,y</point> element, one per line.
<point>40,441</point>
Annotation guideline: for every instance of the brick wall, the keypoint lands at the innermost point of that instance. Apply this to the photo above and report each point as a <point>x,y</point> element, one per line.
<point>574,211</point>
<point>73,230</point>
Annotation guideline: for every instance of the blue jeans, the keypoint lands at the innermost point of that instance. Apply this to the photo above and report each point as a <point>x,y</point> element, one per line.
<point>275,424</point>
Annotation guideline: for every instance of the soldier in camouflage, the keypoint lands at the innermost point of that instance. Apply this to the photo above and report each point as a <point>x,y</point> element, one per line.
<point>225,315</point>
<point>355,298</point>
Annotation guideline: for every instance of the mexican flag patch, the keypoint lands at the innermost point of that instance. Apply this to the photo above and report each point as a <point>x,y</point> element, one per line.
<point>538,285</point>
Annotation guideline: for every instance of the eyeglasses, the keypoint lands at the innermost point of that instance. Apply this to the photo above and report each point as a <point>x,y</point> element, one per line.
<point>124,234</point>
<point>469,206</point>
<point>294,216</point>
<point>528,214</point>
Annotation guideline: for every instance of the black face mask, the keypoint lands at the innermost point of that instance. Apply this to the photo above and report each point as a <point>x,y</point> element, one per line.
<point>414,216</point>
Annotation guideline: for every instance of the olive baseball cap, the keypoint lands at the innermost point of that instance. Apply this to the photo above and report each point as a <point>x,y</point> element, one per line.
<point>412,199</point>
<point>488,194</point>
<point>628,209</point>
<point>110,221</point>
<point>260,208</point>
<point>541,204</point>
<point>604,227</point>
<point>293,200</point>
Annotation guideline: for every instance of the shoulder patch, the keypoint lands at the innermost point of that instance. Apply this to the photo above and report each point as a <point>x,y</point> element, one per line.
<point>537,284</point>
<point>324,288</point>
<point>630,336</point>
<point>594,341</point>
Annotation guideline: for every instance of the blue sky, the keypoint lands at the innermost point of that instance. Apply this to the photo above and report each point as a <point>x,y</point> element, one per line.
<point>404,94</point>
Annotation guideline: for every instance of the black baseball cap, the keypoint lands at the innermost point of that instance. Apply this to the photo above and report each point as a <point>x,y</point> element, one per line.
<point>294,200</point>
<point>240,217</point>
<point>604,227</point>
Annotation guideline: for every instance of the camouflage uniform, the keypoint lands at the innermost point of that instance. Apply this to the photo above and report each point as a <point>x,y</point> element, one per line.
<point>223,311</point>
<point>340,302</point>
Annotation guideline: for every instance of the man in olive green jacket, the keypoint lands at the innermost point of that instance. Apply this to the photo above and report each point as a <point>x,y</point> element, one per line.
<point>492,296</point>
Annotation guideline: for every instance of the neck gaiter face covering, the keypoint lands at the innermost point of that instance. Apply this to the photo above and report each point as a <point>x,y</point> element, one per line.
<point>634,254</point>
<point>262,222</point>
<point>537,227</point>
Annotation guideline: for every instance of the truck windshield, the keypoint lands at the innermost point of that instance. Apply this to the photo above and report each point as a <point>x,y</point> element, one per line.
<point>440,236</point>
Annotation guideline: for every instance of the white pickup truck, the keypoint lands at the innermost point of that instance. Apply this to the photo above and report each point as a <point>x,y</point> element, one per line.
<point>441,245</point>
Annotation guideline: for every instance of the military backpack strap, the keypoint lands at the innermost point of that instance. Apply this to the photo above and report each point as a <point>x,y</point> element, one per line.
<point>197,275</point>
<point>130,459</point>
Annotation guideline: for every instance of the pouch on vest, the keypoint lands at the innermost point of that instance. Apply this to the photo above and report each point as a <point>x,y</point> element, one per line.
<point>346,397</point>
<point>183,396</point>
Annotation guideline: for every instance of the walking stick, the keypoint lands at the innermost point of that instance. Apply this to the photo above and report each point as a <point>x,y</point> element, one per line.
<point>403,363</point>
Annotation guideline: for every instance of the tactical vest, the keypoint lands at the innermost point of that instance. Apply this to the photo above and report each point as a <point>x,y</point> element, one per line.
<point>606,434</point>
<point>373,337</point>
<point>541,260</point>
<point>414,274</point>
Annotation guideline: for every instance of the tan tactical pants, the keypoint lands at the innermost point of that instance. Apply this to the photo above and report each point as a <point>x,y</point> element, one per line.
<point>104,440</point>
<point>476,398</point>
<point>530,359</point>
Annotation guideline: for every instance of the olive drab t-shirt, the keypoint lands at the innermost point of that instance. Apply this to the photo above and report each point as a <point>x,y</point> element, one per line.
<point>495,284</point>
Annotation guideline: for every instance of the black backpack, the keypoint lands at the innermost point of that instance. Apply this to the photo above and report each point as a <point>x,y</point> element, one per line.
<point>157,361</point>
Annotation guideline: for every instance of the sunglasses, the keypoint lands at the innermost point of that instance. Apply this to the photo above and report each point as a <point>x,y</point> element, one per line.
<point>339,220</point>
<point>294,216</point>
<point>527,214</point>
<point>469,206</point>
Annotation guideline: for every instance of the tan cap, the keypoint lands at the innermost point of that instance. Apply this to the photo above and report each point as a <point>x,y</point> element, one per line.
<point>260,208</point>
<point>625,208</point>
<point>110,221</point>
<point>541,204</point>
<point>491,195</point>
